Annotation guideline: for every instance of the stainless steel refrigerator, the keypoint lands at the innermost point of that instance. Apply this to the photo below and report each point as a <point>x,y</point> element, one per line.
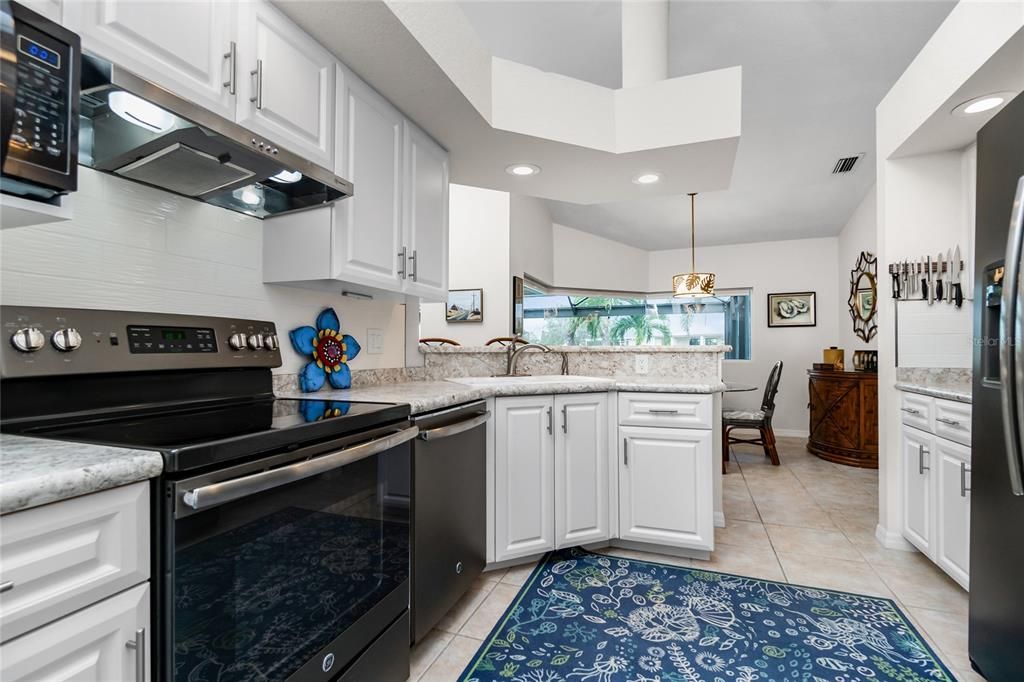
<point>997,449</point>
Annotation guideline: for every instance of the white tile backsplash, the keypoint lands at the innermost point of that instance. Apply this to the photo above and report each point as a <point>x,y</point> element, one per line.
<point>131,247</point>
<point>937,335</point>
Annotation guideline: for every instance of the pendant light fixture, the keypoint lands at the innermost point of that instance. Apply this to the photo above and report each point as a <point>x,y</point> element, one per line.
<point>693,284</point>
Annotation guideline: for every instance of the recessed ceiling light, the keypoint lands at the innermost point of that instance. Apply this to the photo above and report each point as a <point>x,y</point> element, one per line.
<point>646,178</point>
<point>981,104</point>
<point>522,169</point>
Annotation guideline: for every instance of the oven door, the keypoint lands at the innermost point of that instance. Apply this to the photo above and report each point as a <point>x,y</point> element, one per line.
<point>286,568</point>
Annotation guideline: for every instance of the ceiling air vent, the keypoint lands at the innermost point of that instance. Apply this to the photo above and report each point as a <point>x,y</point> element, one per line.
<point>845,164</point>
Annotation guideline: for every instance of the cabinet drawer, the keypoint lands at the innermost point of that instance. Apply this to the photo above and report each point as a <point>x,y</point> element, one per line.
<point>917,411</point>
<point>953,421</point>
<point>671,410</point>
<point>64,556</point>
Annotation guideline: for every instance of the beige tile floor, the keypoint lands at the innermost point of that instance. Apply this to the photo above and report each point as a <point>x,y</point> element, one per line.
<point>808,522</point>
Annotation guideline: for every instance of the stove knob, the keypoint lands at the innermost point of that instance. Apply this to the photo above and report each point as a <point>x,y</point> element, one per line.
<point>255,341</point>
<point>66,340</point>
<point>28,340</point>
<point>237,341</point>
<point>270,341</point>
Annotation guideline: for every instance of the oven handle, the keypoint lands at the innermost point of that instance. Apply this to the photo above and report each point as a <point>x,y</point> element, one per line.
<point>233,489</point>
<point>456,428</point>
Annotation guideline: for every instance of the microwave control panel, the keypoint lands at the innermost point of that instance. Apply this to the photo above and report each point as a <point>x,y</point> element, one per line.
<point>42,106</point>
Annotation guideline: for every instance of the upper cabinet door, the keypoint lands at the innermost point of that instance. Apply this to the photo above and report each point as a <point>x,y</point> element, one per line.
<point>426,215</point>
<point>285,83</point>
<point>368,226</point>
<point>183,46</point>
<point>581,468</point>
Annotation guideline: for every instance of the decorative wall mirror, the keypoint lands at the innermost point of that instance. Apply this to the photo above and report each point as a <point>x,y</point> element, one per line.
<point>864,295</point>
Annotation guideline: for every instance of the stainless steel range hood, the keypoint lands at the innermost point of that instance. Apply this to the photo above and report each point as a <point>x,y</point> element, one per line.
<point>137,130</point>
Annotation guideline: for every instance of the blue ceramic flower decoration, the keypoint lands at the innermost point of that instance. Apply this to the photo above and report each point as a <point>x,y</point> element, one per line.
<point>330,349</point>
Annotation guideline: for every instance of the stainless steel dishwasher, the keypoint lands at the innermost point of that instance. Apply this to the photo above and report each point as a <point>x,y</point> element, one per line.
<point>449,513</point>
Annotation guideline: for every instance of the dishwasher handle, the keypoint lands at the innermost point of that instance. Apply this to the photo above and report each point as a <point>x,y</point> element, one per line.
<point>456,428</point>
<point>236,488</point>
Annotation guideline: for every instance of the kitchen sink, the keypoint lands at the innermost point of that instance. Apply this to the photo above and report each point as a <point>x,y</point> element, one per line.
<point>531,379</point>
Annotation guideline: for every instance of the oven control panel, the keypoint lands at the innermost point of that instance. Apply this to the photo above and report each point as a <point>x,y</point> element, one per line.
<point>54,341</point>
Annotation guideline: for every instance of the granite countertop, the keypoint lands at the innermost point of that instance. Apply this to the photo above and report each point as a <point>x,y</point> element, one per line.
<point>961,392</point>
<point>424,396</point>
<point>583,349</point>
<point>36,471</point>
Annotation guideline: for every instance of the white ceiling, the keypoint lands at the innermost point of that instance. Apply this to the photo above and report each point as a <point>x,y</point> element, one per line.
<point>813,73</point>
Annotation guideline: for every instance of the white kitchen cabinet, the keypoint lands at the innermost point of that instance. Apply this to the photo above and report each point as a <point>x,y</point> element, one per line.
<point>285,83</point>
<point>953,509</point>
<point>392,235</point>
<point>665,494</point>
<point>581,469</point>
<point>425,224</point>
<point>917,458</point>
<point>185,47</point>
<point>368,226</point>
<point>61,557</point>
<point>524,499</point>
<point>91,644</point>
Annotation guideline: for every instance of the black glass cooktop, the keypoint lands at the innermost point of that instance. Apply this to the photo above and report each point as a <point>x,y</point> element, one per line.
<point>196,436</point>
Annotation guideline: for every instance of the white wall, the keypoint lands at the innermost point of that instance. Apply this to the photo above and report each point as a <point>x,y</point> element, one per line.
<point>530,238</point>
<point>583,260</point>
<point>859,234</point>
<point>478,258</point>
<point>131,247</point>
<point>770,267</point>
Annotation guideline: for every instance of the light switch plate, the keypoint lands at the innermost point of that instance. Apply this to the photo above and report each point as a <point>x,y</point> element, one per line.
<point>374,341</point>
<point>643,364</point>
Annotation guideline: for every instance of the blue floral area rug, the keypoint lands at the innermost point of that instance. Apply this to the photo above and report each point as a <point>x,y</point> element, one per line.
<point>584,617</point>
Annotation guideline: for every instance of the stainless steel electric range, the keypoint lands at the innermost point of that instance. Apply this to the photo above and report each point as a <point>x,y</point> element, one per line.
<point>281,526</point>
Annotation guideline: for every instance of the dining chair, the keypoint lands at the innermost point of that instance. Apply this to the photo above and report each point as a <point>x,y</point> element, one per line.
<point>761,420</point>
<point>438,341</point>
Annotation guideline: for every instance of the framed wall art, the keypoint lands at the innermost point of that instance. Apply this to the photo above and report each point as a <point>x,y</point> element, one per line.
<point>793,309</point>
<point>465,305</point>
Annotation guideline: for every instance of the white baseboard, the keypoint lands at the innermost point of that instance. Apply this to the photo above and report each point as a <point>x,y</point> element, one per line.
<point>791,433</point>
<point>892,540</point>
<point>719,519</point>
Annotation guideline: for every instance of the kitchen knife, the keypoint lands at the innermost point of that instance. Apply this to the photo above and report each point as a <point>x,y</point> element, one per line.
<point>896,282</point>
<point>938,277</point>
<point>949,275</point>
<point>958,292</point>
<point>926,278</point>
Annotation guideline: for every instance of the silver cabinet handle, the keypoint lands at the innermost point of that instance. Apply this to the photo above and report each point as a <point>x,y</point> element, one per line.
<point>964,470</point>
<point>6,586</point>
<point>233,489</point>
<point>258,72</point>
<point>456,428</point>
<point>232,56</point>
<point>663,411</point>
<point>550,429</point>
<point>910,410</point>
<point>1011,328</point>
<point>139,645</point>
<point>565,419</point>
<point>625,451</point>
<point>946,420</point>
<point>415,267</point>
<point>921,452</point>
<point>401,262</point>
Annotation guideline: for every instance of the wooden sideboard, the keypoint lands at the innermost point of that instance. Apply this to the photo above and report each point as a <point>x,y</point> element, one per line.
<point>844,417</point>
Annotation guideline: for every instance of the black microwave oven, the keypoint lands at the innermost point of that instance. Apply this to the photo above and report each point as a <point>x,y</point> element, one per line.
<point>40,67</point>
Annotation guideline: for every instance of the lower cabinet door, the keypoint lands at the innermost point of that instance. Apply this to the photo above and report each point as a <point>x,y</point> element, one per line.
<point>665,487</point>
<point>91,644</point>
<point>524,489</point>
<point>917,457</point>
<point>953,509</point>
<point>581,469</point>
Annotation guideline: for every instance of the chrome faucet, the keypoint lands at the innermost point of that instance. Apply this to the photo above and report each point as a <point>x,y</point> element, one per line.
<point>514,353</point>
